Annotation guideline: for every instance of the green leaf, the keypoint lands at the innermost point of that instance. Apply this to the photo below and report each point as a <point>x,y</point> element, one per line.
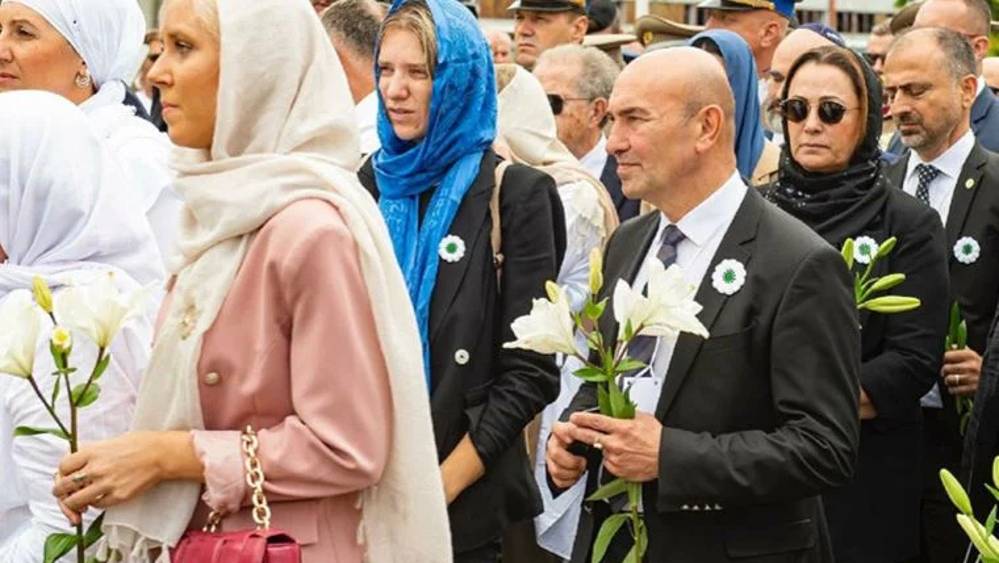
<point>633,556</point>
<point>962,335</point>
<point>955,320</point>
<point>629,331</point>
<point>990,522</point>
<point>55,390</point>
<point>607,532</point>
<point>603,399</point>
<point>956,492</point>
<point>81,399</point>
<point>628,364</point>
<point>608,490</point>
<point>94,531</point>
<point>30,431</point>
<point>57,545</point>
<point>591,374</point>
<point>618,401</point>
<point>643,540</point>
<point>994,491</point>
<point>102,366</point>
<point>595,310</point>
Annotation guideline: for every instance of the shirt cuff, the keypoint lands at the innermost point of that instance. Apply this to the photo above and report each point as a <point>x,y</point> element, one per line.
<point>225,480</point>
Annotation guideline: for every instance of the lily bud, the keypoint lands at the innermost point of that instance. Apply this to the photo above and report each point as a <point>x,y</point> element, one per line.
<point>887,282</point>
<point>955,491</point>
<point>886,247</point>
<point>42,294</point>
<point>596,270</point>
<point>847,253</point>
<point>62,339</point>
<point>891,304</point>
<point>553,291</point>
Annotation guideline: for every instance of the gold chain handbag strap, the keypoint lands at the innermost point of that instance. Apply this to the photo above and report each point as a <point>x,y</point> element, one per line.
<point>255,479</point>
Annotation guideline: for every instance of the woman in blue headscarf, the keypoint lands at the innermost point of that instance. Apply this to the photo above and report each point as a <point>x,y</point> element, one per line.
<point>471,266</point>
<point>758,159</point>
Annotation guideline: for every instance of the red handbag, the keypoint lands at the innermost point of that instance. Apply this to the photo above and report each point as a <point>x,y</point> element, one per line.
<point>262,545</point>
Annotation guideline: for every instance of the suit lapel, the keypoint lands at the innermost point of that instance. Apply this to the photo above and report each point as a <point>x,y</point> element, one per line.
<point>469,225</point>
<point>980,109</point>
<point>735,245</point>
<point>968,184</point>
<point>896,171</point>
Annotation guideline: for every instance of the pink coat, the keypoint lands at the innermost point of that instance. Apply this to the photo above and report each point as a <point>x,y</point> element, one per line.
<point>294,353</point>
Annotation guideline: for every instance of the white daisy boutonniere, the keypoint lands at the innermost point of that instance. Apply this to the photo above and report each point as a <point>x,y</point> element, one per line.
<point>967,250</point>
<point>864,250</point>
<point>729,276</point>
<point>451,249</point>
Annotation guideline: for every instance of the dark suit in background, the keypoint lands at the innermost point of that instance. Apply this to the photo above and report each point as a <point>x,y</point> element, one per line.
<point>478,387</point>
<point>626,208</point>
<point>759,419</point>
<point>974,212</point>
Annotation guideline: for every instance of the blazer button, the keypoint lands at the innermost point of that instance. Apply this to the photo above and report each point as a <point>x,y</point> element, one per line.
<point>212,378</point>
<point>685,507</point>
<point>718,507</point>
<point>461,357</point>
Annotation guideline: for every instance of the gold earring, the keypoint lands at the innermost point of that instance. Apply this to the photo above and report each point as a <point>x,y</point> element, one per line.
<point>82,80</point>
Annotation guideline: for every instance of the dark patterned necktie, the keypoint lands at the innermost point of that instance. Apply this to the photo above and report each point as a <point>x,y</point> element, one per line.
<point>926,173</point>
<point>642,347</point>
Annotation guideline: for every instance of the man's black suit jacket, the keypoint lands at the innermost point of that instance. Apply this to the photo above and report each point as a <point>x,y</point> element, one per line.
<point>477,386</point>
<point>760,418</point>
<point>626,208</point>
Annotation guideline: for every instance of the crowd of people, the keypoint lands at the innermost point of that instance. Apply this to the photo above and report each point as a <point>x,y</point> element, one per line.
<point>339,209</point>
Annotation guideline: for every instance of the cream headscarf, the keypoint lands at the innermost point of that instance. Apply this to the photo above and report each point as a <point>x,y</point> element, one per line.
<point>528,135</point>
<point>283,133</point>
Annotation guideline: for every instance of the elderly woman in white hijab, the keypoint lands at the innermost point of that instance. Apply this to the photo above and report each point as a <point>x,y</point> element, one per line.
<point>528,135</point>
<point>61,219</point>
<point>86,51</point>
<point>287,313</point>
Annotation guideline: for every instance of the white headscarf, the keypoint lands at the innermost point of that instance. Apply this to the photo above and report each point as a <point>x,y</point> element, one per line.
<point>283,133</point>
<point>528,133</point>
<point>108,35</point>
<point>61,204</point>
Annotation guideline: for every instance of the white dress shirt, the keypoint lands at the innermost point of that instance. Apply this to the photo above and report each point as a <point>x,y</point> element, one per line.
<point>595,160</point>
<point>941,189</point>
<point>703,228</point>
<point>366,113</point>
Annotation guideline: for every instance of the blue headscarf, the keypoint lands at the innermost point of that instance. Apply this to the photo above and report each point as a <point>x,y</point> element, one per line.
<point>741,70</point>
<point>461,127</point>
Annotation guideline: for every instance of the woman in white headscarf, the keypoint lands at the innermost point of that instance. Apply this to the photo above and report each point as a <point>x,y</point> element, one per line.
<point>61,219</point>
<point>528,135</point>
<point>86,51</point>
<point>287,312</point>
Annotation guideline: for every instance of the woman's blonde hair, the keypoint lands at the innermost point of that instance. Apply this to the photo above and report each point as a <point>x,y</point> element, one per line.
<point>206,11</point>
<point>415,17</point>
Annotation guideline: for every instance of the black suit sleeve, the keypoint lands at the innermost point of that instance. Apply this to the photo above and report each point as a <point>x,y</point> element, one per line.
<point>814,367</point>
<point>532,221</point>
<point>912,343</point>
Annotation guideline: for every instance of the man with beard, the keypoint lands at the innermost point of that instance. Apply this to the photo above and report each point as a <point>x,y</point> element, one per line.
<point>930,75</point>
<point>540,25</point>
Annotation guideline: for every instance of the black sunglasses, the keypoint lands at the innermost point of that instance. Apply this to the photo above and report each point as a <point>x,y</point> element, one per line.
<point>558,102</point>
<point>796,110</point>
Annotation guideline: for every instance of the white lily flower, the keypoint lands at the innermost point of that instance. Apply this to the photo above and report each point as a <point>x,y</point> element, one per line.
<point>98,309</point>
<point>548,329</point>
<point>667,310</point>
<point>19,338</point>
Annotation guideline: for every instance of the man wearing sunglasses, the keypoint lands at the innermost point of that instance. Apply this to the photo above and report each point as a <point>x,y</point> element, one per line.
<point>540,25</point>
<point>579,81</point>
<point>930,76</point>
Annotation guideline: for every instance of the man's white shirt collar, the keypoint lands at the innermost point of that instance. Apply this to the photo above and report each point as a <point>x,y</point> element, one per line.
<point>951,162</point>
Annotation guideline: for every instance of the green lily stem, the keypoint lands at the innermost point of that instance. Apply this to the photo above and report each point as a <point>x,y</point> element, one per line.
<point>49,408</point>
<point>74,445</point>
<point>93,374</point>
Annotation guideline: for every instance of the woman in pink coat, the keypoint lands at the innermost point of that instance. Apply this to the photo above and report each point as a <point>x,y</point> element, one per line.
<point>286,313</point>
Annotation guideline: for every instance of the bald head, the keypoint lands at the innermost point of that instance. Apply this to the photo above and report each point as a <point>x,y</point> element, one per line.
<point>693,106</point>
<point>970,18</point>
<point>696,79</point>
<point>797,43</point>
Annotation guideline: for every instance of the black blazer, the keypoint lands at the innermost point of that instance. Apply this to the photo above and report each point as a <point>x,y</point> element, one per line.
<point>876,517</point>
<point>761,417</point>
<point>477,386</point>
<point>626,208</point>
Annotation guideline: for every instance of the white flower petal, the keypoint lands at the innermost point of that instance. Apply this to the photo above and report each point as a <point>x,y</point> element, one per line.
<point>19,340</point>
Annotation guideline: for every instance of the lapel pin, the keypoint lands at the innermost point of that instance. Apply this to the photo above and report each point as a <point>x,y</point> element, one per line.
<point>451,249</point>
<point>969,184</point>
<point>967,250</point>
<point>728,277</point>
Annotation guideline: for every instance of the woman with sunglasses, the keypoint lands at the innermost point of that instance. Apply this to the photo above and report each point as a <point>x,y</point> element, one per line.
<point>831,179</point>
<point>86,51</point>
<point>435,177</point>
